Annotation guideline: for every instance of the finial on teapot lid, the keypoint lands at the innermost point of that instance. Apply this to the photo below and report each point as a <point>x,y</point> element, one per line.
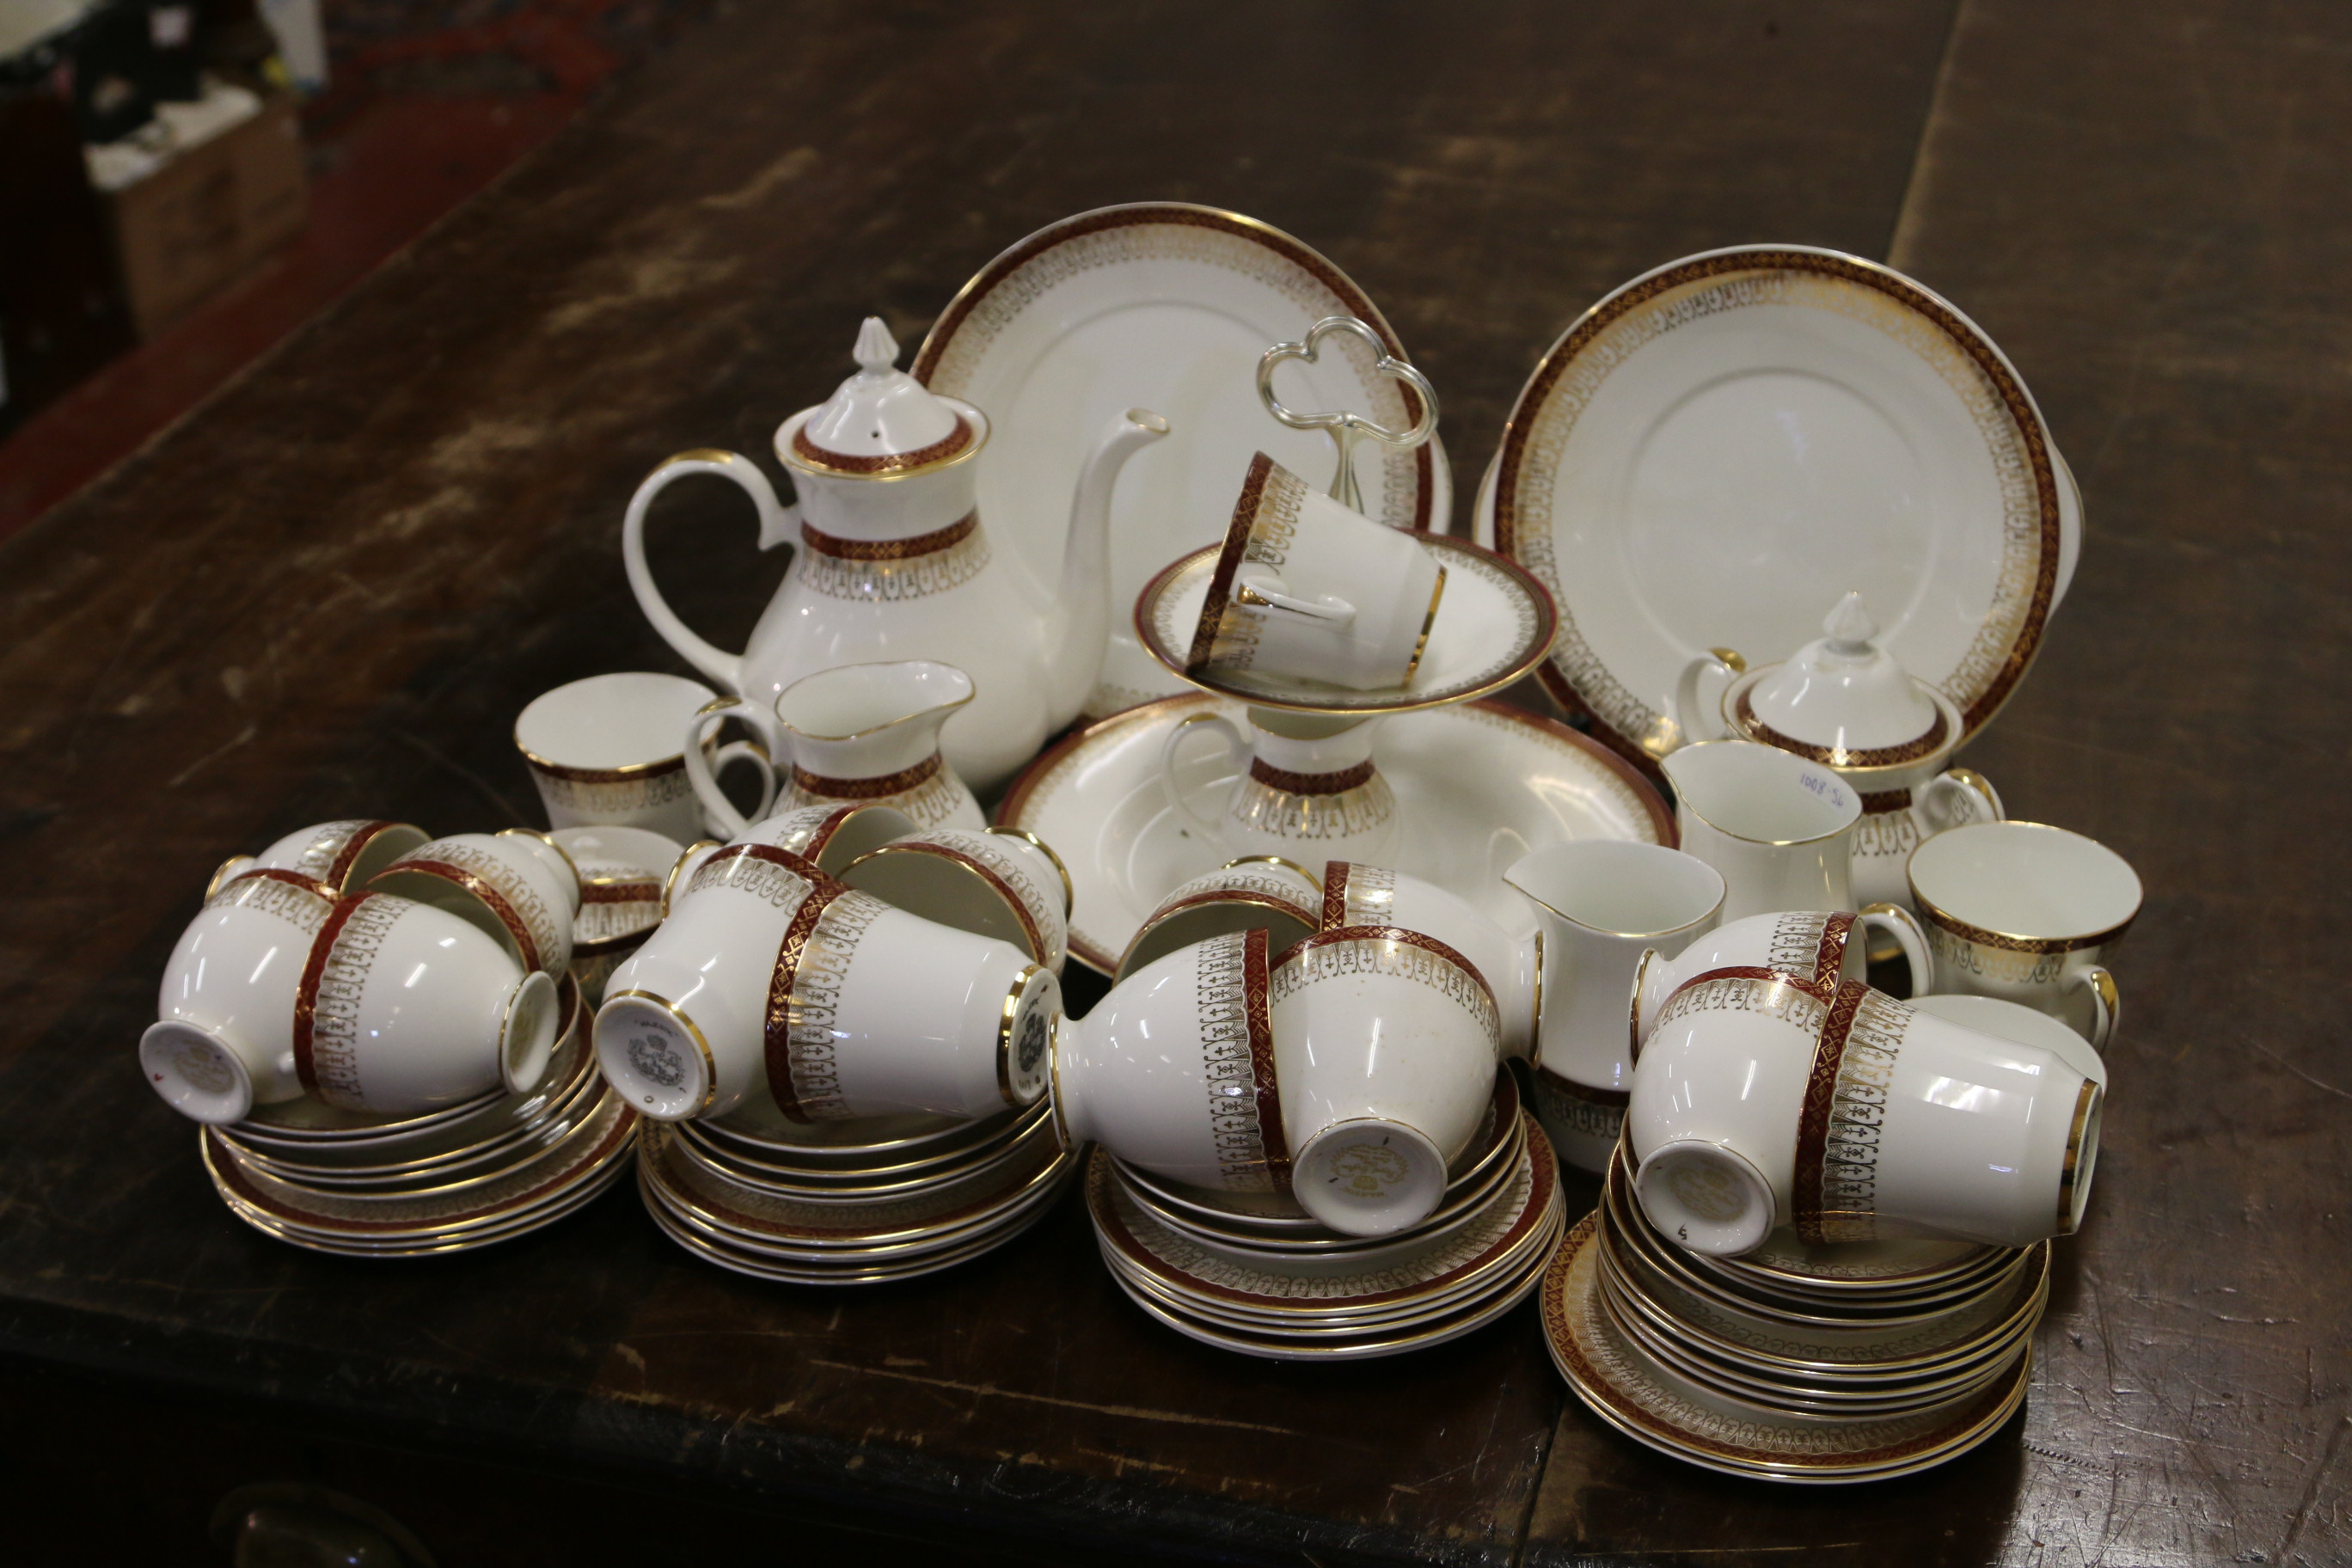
<point>881,421</point>
<point>877,349</point>
<point>1849,626</point>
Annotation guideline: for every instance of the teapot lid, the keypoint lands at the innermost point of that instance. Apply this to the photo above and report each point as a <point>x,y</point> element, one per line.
<point>1842,698</point>
<point>881,421</point>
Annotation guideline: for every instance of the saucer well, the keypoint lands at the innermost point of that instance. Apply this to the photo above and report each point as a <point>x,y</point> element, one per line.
<point>1494,624</point>
<point>1477,786</point>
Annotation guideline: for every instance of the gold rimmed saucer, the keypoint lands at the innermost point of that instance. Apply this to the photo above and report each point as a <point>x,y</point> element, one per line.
<point>1371,1347</point>
<point>821,1184</point>
<point>763,1218</point>
<point>1310,1287</point>
<point>727,1254</point>
<point>1637,1398</point>
<point>603,1136</point>
<point>568,1174</point>
<point>1495,625</point>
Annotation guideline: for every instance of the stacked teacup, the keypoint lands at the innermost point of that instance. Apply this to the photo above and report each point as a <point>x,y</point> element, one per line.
<point>1823,1242</point>
<point>380,1035</point>
<point>1310,1154</point>
<point>843,1092</point>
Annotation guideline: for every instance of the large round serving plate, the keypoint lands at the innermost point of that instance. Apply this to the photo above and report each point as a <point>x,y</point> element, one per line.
<point>1716,452</point>
<point>1168,307</point>
<point>1477,786</point>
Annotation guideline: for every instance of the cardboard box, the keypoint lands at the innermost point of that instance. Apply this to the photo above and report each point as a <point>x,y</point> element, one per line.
<point>206,216</point>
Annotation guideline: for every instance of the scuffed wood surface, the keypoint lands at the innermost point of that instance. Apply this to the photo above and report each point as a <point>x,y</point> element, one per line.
<point>329,591</point>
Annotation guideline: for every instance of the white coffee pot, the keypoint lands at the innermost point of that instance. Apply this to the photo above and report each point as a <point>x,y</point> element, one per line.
<point>1844,702</point>
<point>894,563</point>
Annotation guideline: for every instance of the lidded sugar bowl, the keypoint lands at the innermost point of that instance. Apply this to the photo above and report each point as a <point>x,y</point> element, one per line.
<point>1843,702</point>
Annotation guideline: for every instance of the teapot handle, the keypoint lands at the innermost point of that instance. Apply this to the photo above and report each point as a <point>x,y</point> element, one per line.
<point>776,524</point>
<point>1236,744</point>
<point>1704,722</point>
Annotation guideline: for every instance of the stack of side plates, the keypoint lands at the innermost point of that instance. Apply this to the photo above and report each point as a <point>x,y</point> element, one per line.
<point>498,1167</point>
<point>1252,1273</point>
<point>1817,1364</point>
<point>849,1203</point>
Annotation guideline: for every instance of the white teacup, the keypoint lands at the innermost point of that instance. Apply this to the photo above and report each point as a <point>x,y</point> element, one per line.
<point>1308,589</point>
<point>605,751</point>
<point>1818,949</point>
<point>1758,1102</point>
<point>1255,890</point>
<point>1779,828</point>
<point>2025,913</point>
<point>860,734</point>
<point>342,855</point>
<point>517,886</point>
<point>1003,882</point>
<point>225,1039</point>
<point>830,836</point>
<point>623,874</point>
<point>395,1008</point>
<point>1601,905</point>
<point>1173,1071</point>
<point>1507,962</point>
<point>768,976</point>
<point>1309,793</point>
<point>1385,1043</point>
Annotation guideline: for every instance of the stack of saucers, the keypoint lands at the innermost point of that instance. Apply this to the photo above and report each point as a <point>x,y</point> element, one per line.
<point>1251,1272</point>
<point>1806,1363</point>
<point>849,1203</point>
<point>498,1167</point>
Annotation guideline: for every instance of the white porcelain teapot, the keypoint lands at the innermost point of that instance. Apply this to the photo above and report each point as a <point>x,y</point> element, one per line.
<point>1844,702</point>
<point>893,563</point>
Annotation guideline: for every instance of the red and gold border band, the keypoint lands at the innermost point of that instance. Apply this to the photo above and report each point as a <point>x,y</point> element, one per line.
<point>945,447</point>
<point>911,549</point>
<point>1338,782</point>
<point>492,899</point>
<point>1229,561</point>
<point>899,782</point>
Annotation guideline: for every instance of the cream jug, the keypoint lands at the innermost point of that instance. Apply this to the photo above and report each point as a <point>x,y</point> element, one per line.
<point>893,563</point>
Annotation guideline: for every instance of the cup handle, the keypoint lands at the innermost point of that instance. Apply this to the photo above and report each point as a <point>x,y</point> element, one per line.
<point>1703,720</point>
<point>2106,1002</point>
<point>756,755</point>
<point>1235,743</point>
<point>1903,927</point>
<point>1254,591</point>
<point>776,524</point>
<point>1957,796</point>
<point>716,809</point>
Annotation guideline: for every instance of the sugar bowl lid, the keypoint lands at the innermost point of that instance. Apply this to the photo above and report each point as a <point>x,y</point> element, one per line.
<point>882,422</point>
<point>1842,700</point>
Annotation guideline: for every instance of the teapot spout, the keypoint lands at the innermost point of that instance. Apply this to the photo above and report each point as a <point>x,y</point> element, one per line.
<point>1079,630</point>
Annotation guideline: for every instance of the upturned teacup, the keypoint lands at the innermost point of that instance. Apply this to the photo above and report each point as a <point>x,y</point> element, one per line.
<point>1815,947</point>
<point>1758,1100</point>
<point>769,977</point>
<point>370,1003</point>
<point>342,855</point>
<point>1003,882</point>
<point>517,886</point>
<point>1385,1045</point>
<point>1255,890</point>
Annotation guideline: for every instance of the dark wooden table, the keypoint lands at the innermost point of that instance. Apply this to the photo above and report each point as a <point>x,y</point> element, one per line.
<point>329,590</point>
